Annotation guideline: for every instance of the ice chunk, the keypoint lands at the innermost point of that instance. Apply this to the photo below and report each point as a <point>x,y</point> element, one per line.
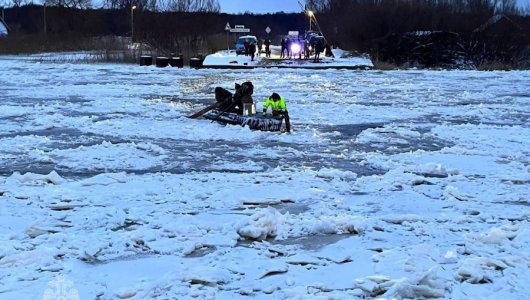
<point>105,179</point>
<point>452,192</point>
<point>450,257</point>
<point>430,170</point>
<point>324,226</point>
<point>264,223</point>
<point>37,179</point>
<point>495,236</point>
<point>207,275</point>
<point>378,278</point>
<point>126,294</point>
<point>400,219</point>
<point>273,269</point>
<point>428,285</point>
<point>478,269</point>
<point>303,259</point>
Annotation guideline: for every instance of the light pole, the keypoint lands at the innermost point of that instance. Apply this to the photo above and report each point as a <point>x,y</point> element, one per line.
<point>310,14</point>
<point>132,23</point>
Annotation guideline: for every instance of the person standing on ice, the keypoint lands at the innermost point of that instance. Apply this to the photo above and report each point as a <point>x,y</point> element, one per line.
<point>259,46</point>
<point>267,44</point>
<point>288,44</point>
<point>284,45</point>
<point>246,44</point>
<point>318,49</point>
<point>306,49</point>
<point>252,51</point>
<point>278,107</point>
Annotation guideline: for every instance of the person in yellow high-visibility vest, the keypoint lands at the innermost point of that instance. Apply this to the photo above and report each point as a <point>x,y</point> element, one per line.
<point>277,104</point>
<point>279,108</point>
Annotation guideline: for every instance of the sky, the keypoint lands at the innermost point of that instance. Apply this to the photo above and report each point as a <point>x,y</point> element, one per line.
<point>259,7</point>
<point>272,6</point>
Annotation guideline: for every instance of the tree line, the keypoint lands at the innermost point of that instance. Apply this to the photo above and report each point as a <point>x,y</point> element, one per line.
<point>197,26</point>
<point>153,5</point>
<point>489,30</point>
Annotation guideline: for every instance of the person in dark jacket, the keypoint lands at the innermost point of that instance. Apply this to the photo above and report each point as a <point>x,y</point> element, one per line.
<point>318,49</point>
<point>246,44</point>
<point>328,52</point>
<point>243,95</point>
<point>234,103</point>
<point>306,50</point>
<point>224,98</point>
<point>288,44</point>
<point>252,51</point>
<point>284,46</point>
<point>260,45</point>
<point>267,44</point>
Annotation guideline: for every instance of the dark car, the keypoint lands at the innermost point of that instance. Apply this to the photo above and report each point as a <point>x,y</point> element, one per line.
<point>240,44</point>
<point>314,38</point>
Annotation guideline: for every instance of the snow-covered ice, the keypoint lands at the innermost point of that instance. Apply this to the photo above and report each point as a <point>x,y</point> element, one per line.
<point>393,184</point>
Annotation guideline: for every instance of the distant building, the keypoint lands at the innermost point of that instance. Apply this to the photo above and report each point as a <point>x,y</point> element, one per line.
<point>3,28</point>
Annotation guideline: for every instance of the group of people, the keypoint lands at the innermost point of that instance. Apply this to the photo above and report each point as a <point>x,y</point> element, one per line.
<point>250,48</point>
<point>242,100</point>
<point>235,103</point>
<point>287,49</point>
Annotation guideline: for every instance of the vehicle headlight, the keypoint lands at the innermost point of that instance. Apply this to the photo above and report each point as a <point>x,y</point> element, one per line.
<point>295,48</point>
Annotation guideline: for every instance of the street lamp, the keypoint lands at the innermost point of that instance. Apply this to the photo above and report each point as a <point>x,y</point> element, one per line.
<point>310,14</point>
<point>132,23</point>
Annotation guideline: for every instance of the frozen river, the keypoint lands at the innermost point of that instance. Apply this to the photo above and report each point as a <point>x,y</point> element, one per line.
<point>393,183</point>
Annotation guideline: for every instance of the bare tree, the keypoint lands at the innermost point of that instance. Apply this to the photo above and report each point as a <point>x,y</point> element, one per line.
<point>121,4</point>
<point>480,6</point>
<point>151,5</point>
<point>166,5</point>
<point>506,7</point>
<point>18,3</point>
<point>110,3</point>
<point>318,5</point>
<point>191,6</point>
<point>69,3</point>
<point>525,10</point>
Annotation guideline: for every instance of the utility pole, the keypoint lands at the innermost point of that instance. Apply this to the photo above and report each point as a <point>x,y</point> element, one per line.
<point>44,11</point>
<point>132,23</point>
<point>310,14</point>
